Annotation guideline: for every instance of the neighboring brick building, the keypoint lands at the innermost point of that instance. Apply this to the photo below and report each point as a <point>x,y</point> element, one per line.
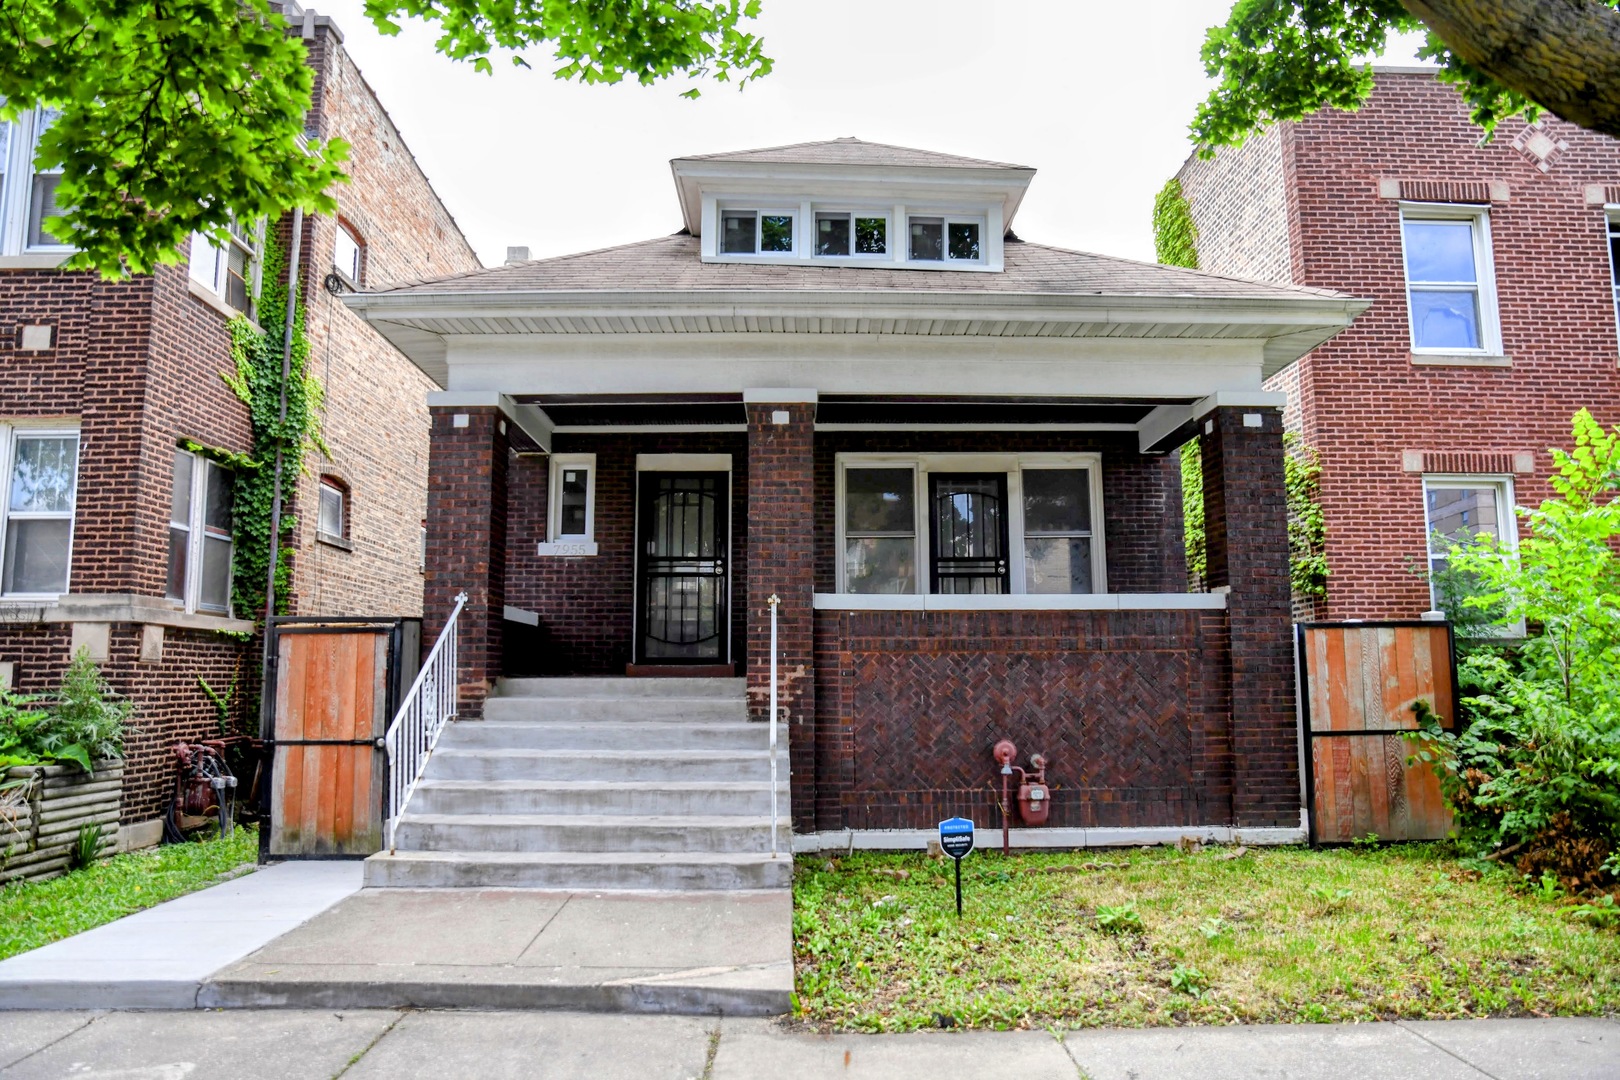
<point>100,382</point>
<point>947,451</point>
<point>1507,247</point>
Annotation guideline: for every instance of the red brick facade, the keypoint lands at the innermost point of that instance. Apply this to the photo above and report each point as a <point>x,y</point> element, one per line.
<point>1379,420</point>
<point>137,365</point>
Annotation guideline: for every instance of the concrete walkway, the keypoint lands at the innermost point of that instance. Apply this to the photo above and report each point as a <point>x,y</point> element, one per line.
<point>658,952</point>
<point>159,958</point>
<point>286,1044</point>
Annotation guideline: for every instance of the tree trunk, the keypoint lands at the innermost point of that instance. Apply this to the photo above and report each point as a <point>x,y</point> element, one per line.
<point>1562,54</point>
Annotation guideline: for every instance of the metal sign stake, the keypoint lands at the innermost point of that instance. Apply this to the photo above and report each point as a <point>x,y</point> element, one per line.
<point>956,840</point>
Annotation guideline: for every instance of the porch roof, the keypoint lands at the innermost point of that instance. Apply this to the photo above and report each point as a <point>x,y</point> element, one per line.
<point>663,287</point>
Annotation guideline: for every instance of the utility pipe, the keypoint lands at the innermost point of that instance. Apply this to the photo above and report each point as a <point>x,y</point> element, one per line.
<point>266,702</point>
<point>774,602</point>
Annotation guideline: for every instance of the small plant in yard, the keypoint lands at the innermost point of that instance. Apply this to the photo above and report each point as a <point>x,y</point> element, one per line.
<point>86,847</point>
<point>1123,919</point>
<point>1212,928</point>
<point>1188,980</point>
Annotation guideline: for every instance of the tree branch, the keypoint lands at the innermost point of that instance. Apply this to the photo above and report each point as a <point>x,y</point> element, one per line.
<point>1562,54</point>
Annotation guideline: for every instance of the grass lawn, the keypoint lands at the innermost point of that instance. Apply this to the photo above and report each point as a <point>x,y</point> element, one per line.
<point>35,913</point>
<point>1271,935</point>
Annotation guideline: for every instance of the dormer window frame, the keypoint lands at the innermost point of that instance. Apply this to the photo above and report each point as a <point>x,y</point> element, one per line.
<point>855,213</point>
<point>897,217</point>
<point>761,209</point>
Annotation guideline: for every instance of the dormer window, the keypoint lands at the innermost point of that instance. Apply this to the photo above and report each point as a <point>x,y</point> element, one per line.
<point>941,239</point>
<point>756,232</point>
<point>852,234</point>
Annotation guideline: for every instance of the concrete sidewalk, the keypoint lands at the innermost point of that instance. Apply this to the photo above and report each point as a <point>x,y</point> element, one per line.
<point>286,1044</point>
<point>663,952</point>
<point>159,958</point>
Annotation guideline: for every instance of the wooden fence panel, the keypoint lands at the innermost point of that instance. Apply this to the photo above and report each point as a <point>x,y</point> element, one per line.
<point>1360,681</point>
<point>327,778</point>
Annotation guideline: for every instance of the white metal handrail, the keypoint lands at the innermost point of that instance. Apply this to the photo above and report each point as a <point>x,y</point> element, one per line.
<point>433,701</point>
<point>775,601</point>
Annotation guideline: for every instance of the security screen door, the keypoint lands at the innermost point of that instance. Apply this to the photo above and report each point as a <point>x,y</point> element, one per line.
<point>682,578</point>
<point>968,527</point>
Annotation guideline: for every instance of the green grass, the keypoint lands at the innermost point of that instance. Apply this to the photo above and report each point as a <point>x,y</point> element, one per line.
<point>1277,935</point>
<point>35,913</point>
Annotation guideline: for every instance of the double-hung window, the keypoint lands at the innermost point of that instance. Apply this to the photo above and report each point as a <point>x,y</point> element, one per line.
<point>27,193</point>
<point>1457,509</point>
<point>200,545</point>
<point>230,271</point>
<point>756,232</point>
<point>1614,261</point>
<point>40,469</point>
<point>970,525</point>
<point>1450,284</point>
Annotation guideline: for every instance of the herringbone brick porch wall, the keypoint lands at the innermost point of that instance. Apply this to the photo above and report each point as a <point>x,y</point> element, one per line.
<point>1130,708</point>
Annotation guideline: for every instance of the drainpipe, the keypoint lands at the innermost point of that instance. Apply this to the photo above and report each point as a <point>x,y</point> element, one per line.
<point>266,701</point>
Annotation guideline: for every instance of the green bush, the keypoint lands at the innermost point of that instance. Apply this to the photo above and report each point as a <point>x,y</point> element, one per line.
<point>1538,763</point>
<point>83,722</point>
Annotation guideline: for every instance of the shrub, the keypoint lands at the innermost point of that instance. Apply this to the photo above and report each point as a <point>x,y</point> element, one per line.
<point>1538,764</point>
<point>83,722</point>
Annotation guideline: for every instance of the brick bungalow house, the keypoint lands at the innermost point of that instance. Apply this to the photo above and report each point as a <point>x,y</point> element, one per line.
<point>948,452</point>
<point>125,546</point>
<point>1492,321</point>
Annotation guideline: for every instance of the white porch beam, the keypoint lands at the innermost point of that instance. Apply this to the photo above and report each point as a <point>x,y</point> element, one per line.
<point>530,419</point>
<point>1156,432</point>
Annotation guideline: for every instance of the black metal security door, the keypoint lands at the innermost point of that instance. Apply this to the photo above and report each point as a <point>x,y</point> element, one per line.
<point>682,581</point>
<point>968,533</point>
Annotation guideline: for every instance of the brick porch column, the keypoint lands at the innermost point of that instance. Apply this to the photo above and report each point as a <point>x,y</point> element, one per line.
<point>781,559</point>
<point>1246,532</point>
<point>466,541</point>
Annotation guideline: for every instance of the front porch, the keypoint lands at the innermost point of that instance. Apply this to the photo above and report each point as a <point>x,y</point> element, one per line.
<point>1057,615</point>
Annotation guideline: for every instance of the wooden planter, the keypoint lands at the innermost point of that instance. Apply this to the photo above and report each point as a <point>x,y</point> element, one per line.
<point>39,842</point>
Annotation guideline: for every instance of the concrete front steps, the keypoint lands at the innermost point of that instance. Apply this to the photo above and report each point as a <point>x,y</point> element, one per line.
<point>632,784</point>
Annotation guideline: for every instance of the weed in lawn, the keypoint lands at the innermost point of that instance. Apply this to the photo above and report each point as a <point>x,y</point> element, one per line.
<point>86,847</point>
<point>1123,919</point>
<point>1548,887</point>
<point>1189,981</point>
<point>1602,912</point>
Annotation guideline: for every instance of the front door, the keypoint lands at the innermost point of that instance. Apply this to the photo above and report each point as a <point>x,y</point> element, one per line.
<point>682,576</point>
<point>968,533</point>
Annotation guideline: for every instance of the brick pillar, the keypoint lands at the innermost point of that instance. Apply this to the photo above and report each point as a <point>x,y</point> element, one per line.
<point>781,559</point>
<point>466,546</point>
<point>1246,532</point>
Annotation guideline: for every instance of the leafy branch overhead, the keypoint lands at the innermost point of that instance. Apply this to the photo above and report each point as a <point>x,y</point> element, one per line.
<point>1277,60</point>
<point>176,117</point>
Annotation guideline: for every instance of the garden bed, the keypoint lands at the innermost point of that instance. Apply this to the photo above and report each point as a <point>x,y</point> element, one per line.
<point>39,834</point>
<point>35,913</point>
<point>1225,936</point>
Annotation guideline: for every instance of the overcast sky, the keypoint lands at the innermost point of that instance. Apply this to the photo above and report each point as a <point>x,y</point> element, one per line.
<point>1095,96</point>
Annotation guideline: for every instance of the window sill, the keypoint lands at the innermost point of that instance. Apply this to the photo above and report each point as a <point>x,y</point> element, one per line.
<point>35,260</point>
<point>215,301</point>
<point>333,541</point>
<point>567,549</point>
<point>1421,359</point>
<point>115,608</point>
<point>1022,602</point>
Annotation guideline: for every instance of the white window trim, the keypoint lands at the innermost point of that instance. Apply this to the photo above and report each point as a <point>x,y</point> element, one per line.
<point>1611,214</point>
<point>196,531</point>
<point>216,288</point>
<point>341,537</point>
<point>18,189</point>
<point>761,211</point>
<point>1011,464</point>
<point>350,275</point>
<point>1490,323</point>
<point>554,532</point>
<point>987,216</point>
<point>1506,515</point>
<point>947,220</point>
<point>885,213</point>
<point>8,452</point>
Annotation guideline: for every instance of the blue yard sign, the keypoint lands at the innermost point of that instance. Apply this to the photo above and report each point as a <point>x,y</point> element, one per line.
<point>956,840</point>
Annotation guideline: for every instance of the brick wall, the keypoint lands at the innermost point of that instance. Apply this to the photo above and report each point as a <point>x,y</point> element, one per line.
<point>1557,314</point>
<point>1130,708</point>
<point>1240,202</point>
<point>587,605</point>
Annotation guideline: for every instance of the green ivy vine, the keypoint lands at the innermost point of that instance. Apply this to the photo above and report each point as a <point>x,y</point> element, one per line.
<point>1175,234</point>
<point>1307,526</point>
<point>256,380</point>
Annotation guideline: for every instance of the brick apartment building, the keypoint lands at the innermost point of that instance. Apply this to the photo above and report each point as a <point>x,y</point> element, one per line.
<point>1493,314</point>
<point>114,536</point>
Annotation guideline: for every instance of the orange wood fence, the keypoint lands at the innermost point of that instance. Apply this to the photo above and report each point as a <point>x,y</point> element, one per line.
<point>1359,682</point>
<point>332,701</point>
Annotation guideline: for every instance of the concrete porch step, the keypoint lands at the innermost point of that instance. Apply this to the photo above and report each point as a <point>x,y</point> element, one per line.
<point>683,765</point>
<point>734,797</point>
<point>609,686</point>
<point>592,832</point>
<point>578,870</point>
<point>609,735</point>
<point>644,708</point>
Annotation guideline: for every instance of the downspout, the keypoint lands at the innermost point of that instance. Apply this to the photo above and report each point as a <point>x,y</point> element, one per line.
<point>266,700</point>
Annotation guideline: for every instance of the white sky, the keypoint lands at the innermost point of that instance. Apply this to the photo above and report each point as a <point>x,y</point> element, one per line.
<point>1096,96</point>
